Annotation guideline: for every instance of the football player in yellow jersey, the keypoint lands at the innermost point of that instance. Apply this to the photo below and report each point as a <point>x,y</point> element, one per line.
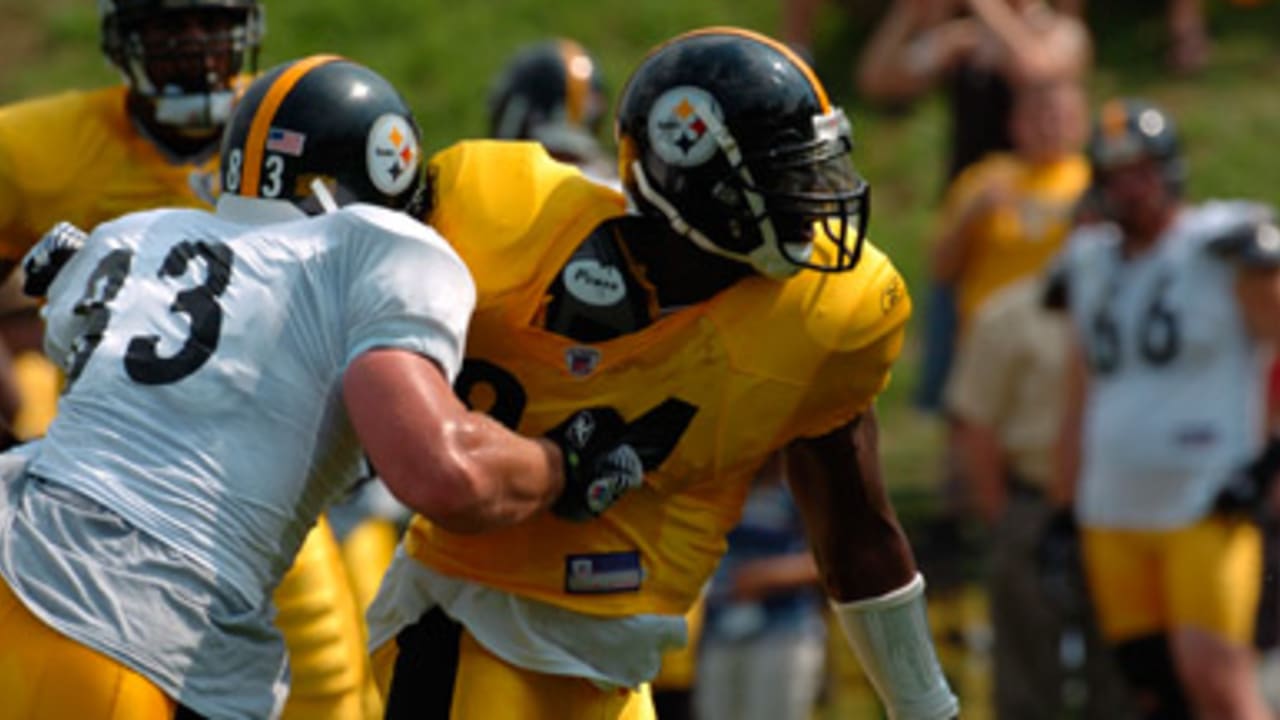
<point>551,91</point>
<point>736,311</point>
<point>152,141</point>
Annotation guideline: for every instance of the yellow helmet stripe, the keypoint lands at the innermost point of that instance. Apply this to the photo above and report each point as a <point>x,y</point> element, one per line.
<point>577,79</point>
<point>255,143</point>
<point>787,52</point>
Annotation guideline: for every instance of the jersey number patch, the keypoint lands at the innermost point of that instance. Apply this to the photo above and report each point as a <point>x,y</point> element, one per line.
<point>200,303</point>
<point>1158,338</point>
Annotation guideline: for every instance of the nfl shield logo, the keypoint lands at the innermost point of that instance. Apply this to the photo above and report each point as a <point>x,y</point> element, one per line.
<point>581,361</point>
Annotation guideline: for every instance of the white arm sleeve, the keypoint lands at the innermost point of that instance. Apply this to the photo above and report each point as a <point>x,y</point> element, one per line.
<point>890,635</point>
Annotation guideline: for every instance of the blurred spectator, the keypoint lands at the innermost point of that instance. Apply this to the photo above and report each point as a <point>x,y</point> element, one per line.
<point>1188,37</point>
<point>1006,216</point>
<point>979,50</point>
<point>798,20</point>
<point>763,640</point>
<point>1006,397</point>
<point>1162,438</point>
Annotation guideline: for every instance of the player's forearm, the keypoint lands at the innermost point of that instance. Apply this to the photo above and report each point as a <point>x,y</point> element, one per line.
<point>495,477</point>
<point>877,594</point>
<point>984,468</point>
<point>461,469</point>
<point>859,546</point>
<point>890,67</point>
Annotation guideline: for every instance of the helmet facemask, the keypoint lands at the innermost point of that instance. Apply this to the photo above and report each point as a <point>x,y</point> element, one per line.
<point>817,202</point>
<point>185,58</point>
<point>799,204</point>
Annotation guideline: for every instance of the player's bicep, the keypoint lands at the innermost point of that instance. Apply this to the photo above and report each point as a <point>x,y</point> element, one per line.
<point>398,403</point>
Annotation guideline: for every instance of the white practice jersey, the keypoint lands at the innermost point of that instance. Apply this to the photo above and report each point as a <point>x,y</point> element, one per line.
<point>1176,388</point>
<point>204,355</point>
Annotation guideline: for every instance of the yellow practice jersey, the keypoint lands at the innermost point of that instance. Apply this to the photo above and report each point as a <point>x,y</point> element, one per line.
<point>714,388</point>
<point>1020,236</point>
<point>77,157</point>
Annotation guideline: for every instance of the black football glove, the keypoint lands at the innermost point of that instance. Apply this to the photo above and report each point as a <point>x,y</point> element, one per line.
<point>1247,490</point>
<point>1059,563</point>
<point>599,467</point>
<point>46,258</point>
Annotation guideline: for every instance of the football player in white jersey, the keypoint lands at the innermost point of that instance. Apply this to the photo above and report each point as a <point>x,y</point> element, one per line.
<point>224,370</point>
<point>1176,307</point>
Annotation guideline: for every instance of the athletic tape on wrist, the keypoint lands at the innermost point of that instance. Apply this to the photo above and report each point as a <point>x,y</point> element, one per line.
<point>891,637</point>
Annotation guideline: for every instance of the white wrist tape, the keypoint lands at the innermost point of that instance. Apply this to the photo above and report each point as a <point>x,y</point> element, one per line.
<point>890,635</point>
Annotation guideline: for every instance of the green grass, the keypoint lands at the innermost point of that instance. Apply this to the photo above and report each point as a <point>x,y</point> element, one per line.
<point>442,55</point>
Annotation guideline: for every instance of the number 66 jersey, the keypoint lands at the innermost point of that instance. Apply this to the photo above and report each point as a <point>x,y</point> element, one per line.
<point>204,355</point>
<point>1175,387</point>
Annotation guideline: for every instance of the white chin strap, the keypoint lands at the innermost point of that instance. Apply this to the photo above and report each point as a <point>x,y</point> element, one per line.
<point>767,257</point>
<point>323,196</point>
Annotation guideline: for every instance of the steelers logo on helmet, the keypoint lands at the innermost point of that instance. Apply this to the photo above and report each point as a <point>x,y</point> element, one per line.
<point>681,126</point>
<point>392,154</point>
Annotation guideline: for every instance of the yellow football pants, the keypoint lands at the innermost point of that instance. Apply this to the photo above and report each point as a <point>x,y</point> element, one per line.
<point>45,674</point>
<point>320,617</point>
<point>366,555</point>
<point>324,631</point>
<point>487,687</point>
<point>1207,576</point>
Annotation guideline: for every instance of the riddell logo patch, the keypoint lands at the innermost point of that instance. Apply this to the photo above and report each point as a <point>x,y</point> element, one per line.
<point>891,296</point>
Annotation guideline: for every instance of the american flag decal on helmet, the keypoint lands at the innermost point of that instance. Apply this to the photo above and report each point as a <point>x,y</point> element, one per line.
<point>285,141</point>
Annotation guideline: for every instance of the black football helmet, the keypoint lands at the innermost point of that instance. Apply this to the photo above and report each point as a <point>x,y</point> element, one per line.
<point>186,56</point>
<point>322,132</point>
<point>1128,129</point>
<point>551,92</point>
<point>731,138</point>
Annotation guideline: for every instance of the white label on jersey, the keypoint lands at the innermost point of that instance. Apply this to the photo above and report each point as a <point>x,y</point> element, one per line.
<point>392,154</point>
<point>680,126</point>
<point>593,283</point>
<point>603,573</point>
